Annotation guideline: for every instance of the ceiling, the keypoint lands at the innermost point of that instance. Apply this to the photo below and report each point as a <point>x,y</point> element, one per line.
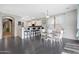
<point>36,10</point>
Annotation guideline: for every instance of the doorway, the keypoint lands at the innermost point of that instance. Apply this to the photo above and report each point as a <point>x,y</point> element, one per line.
<point>8,27</point>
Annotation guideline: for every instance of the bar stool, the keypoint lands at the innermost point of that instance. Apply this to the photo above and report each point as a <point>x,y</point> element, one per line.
<point>31,33</point>
<point>27,33</point>
<point>38,31</point>
<point>34,29</point>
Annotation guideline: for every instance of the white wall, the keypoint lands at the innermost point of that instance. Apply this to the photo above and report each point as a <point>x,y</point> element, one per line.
<point>0,27</point>
<point>69,23</point>
<point>16,25</point>
<point>78,18</point>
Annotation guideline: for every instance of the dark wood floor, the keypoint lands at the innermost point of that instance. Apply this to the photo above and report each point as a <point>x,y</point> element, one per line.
<point>33,45</point>
<point>36,45</point>
<point>71,46</point>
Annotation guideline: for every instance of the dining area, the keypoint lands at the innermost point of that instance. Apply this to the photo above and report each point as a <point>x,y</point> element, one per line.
<point>39,40</point>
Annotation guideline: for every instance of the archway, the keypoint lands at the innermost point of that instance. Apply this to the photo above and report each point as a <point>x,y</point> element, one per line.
<point>8,27</point>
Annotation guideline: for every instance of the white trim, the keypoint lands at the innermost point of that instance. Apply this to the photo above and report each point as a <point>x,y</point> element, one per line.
<point>72,44</point>
<point>77,51</point>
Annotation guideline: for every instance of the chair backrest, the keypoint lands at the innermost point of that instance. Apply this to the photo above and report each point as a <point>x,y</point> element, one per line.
<point>43,30</point>
<point>61,34</point>
<point>28,28</point>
